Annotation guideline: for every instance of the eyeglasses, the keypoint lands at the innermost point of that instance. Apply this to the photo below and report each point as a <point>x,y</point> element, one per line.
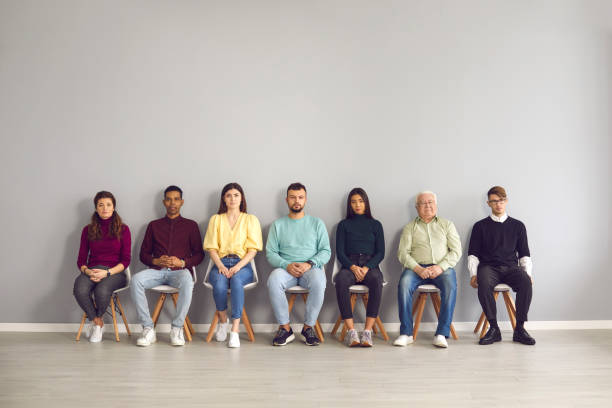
<point>428,203</point>
<point>495,202</point>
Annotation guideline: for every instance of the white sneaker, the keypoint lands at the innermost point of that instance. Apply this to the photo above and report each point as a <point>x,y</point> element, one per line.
<point>440,341</point>
<point>221,333</point>
<point>88,329</point>
<point>176,336</point>
<point>403,340</point>
<point>147,337</point>
<point>96,334</point>
<point>234,340</point>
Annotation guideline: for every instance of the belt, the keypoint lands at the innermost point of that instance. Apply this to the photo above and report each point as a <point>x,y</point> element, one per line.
<point>232,256</point>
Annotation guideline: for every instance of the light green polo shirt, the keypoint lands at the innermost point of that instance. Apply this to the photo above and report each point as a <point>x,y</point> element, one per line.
<point>434,243</point>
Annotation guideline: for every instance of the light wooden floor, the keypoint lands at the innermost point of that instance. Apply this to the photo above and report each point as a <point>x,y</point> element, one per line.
<point>565,368</point>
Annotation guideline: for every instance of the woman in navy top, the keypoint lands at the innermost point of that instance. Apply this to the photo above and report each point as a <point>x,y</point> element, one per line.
<point>103,256</point>
<point>360,247</point>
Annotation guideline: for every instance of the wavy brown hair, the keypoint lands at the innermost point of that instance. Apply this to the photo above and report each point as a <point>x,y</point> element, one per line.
<point>93,231</point>
<point>226,188</point>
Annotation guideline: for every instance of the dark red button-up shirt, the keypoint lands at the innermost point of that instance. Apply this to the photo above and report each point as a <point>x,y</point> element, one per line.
<point>178,237</point>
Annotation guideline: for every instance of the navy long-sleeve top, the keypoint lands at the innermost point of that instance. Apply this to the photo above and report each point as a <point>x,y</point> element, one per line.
<point>360,235</point>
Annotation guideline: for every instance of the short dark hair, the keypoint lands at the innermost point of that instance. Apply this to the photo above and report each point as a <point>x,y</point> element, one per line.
<point>173,188</point>
<point>360,192</point>
<point>498,191</point>
<point>228,187</point>
<point>295,187</point>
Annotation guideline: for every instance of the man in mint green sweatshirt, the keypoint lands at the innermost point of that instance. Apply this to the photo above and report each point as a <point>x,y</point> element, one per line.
<point>298,247</point>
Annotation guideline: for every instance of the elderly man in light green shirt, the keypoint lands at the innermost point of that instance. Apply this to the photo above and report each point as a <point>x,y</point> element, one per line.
<point>429,250</point>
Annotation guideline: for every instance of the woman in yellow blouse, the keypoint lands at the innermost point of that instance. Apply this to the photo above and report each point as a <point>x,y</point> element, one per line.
<point>232,239</point>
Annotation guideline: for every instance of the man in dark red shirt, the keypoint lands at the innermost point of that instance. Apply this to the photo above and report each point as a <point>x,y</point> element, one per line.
<point>172,245</point>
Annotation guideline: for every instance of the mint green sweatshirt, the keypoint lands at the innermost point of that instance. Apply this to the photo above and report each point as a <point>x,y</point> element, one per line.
<point>300,240</point>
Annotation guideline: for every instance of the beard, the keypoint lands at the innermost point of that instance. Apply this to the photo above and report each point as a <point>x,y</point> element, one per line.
<point>296,210</point>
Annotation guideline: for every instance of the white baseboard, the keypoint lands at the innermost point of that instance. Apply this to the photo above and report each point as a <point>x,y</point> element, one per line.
<point>327,327</point>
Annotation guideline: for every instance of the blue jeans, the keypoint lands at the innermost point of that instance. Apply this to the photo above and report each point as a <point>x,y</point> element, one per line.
<point>313,279</point>
<point>236,283</point>
<point>446,282</point>
<point>149,278</point>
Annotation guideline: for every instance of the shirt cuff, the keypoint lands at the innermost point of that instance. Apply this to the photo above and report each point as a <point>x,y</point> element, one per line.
<point>473,262</point>
<point>525,263</point>
<point>444,265</point>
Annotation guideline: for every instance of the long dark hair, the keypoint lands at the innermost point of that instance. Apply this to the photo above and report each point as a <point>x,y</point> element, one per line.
<point>228,187</point>
<point>116,226</point>
<point>360,192</point>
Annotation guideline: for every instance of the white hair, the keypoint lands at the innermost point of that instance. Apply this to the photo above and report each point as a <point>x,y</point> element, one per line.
<point>427,192</point>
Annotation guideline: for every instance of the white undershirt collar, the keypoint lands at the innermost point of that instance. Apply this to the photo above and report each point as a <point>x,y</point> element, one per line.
<point>503,218</point>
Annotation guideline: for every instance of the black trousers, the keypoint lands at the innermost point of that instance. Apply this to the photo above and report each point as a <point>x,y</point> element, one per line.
<point>514,276</point>
<point>373,280</point>
<point>102,291</point>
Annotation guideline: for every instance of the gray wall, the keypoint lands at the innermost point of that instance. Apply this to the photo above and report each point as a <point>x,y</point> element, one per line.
<point>394,97</point>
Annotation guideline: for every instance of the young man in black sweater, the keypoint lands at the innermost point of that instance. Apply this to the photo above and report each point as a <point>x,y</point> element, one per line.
<point>499,253</point>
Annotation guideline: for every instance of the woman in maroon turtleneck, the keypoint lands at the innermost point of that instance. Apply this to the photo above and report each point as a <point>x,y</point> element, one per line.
<point>103,256</point>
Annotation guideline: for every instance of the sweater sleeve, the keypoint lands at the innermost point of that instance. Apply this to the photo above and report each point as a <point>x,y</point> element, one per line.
<point>475,241</point>
<point>454,248</point>
<point>379,255</point>
<point>146,248</point>
<point>125,254</point>
<point>273,250</point>
<point>211,238</point>
<point>522,246</point>
<point>197,252</point>
<point>341,246</point>
<point>83,249</point>
<point>405,248</point>
<point>323,249</point>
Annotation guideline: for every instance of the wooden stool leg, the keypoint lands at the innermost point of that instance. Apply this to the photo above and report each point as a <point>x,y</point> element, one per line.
<point>381,327</point>
<point>158,308</point>
<point>213,325</point>
<point>511,315</point>
<point>291,301</point>
<point>127,326</point>
<point>185,325</point>
<point>247,325</point>
<point>480,322</point>
<point>189,325</point>
<point>419,315</point>
<point>344,329</point>
<point>335,329</point>
<point>78,336</point>
<point>112,305</point>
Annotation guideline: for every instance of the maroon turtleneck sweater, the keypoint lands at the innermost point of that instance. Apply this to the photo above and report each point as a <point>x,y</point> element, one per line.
<point>108,250</point>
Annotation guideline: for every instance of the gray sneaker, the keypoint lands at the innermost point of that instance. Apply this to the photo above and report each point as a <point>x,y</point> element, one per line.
<point>352,339</point>
<point>366,338</point>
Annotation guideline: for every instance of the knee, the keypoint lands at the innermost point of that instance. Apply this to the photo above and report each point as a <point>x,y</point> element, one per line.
<point>449,280</point>
<point>318,284</point>
<point>235,283</point>
<point>186,281</point>
<point>342,280</point>
<point>80,290</point>
<point>405,283</point>
<point>274,280</point>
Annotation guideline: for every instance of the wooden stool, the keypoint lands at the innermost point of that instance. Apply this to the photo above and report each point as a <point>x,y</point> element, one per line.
<point>419,305</point>
<point>164,291</point>
<point>298,290</point>
<point>115,305</point>
<point>362,291</point>
<point>245,318</point>
<point>510,307</point>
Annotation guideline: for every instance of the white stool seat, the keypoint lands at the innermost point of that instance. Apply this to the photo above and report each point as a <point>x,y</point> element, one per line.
<point>428,288</point>
<point>502,287</point>
<point>165,289</point>
<point>296,289</point>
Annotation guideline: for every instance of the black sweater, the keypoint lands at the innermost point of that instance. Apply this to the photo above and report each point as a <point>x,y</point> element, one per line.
<point>499,243</point>
<point>360,235</point>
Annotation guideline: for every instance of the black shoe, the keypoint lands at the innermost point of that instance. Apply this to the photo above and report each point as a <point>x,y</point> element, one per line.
<point>521,336</point>
<point>309,337</point>
<point>283,337</point>
<point>493,335</point>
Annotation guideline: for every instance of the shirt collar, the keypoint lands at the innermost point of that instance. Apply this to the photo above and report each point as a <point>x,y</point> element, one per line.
<point>435,218</point>
<point>503,218</point>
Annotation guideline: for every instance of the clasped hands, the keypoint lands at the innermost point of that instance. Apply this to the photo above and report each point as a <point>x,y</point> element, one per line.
<point>96,275</point>
<point>359,272</point>
<point>166,261</point>
<point>297,269</point>
<point>430,272</point>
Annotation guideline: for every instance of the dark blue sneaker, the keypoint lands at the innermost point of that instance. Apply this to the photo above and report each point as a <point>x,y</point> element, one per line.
<point>283,337</point>
<point>309,337</point>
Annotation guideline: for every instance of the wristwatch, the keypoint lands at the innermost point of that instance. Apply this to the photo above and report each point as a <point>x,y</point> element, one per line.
<point>108,274</point>
<point>312,264</point>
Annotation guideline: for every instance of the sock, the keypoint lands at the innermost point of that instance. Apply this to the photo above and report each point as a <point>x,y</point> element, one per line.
<point>493,323</point>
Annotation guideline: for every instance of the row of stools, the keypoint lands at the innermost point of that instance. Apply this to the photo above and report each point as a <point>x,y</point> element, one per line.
<point>357,291</point>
